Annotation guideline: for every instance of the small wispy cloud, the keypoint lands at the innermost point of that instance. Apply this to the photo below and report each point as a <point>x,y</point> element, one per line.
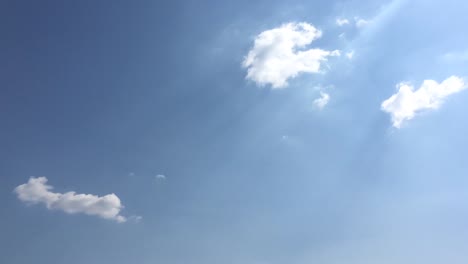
<point>459,56</point>
<point>160,177</point>
<point>408,102</point>
<point>36,191</point>
<point>322,101</point>
<point>342,21</point>
<point>135,218</point>
<point>360,22</point>
<point>350,54</point>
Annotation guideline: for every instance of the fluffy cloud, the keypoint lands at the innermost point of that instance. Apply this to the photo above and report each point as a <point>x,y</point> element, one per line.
<point>322,101</point>
<point>407,102</point>
<point>342,21</point>
<point>36,191</point>
<point>274,58</point>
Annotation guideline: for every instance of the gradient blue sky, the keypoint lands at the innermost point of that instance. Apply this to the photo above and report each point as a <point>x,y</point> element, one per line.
<point>101,97</point>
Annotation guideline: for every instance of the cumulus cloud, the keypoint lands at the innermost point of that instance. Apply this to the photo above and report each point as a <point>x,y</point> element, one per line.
<point>407,102</point>
<point>36,191</point>
<point>322,101</point>
<point>275,57</point>
<point>342,21</point>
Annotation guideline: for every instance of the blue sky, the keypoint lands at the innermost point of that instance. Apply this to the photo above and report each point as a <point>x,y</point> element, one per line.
<point>246,132</point>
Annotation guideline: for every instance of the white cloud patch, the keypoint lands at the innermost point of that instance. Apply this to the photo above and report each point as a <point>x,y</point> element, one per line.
<point>36,191</point>
<point>350,54</point>
<point>342,21</point>
<point>455,56</point>
<point>360,22</point>
<point>322,101</point>
<point>135,218</point>
<point>407,102</point>
<point>160,177</point>
<point>275,57</point>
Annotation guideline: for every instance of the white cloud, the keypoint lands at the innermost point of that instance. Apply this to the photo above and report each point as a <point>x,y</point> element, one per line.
<point>358,22</point>
<point>350,54</point>
<point>455,56</point>
<point>342,21</point>
<point>135,218</point>
<point>322,101</point>
<point>361,22</point>
<point>160,177</point>
<point>274,57</point>
<point>36,191</point>
<point>407,102</point>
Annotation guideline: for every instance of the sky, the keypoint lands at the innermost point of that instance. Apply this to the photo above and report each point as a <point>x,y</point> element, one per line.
<point>240,132</point>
